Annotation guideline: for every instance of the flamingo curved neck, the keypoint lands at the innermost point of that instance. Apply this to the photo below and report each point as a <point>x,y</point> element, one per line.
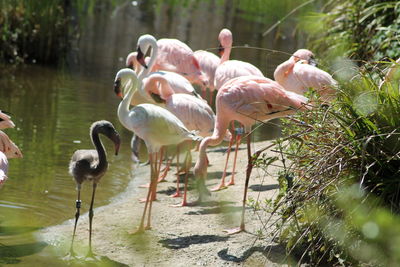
<point>165,89</point>
<point>217,137</point>
<point>227,52</point>
<point>123,108</point>
<point>153,56</point>
<point>100,152</point>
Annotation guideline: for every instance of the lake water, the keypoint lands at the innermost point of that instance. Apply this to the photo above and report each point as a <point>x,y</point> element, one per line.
<point>53,108</point>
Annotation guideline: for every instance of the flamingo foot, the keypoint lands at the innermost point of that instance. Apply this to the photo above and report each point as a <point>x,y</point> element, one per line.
<point>231,182</point>
<point>235,230</point>
<point>91,255</point>
<point>144,185</point>
<point>71,255</point>
<point>219,188</point>
<point>177,194</point>
<point>161,179</point>
<point>183,204</point>
<point>143,200</point>
<point>138,231</point>
<point>148,227</point>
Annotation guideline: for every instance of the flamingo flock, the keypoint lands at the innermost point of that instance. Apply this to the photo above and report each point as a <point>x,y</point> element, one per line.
<point>160,105</point>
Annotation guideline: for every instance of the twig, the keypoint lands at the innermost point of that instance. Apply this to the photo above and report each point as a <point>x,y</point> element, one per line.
<point>285,17</point>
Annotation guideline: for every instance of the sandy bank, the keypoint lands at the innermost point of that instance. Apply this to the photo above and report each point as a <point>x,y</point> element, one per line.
<point>185,236</point>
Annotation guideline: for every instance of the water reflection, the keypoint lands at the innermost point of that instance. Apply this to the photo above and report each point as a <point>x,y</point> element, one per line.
<point>54,108</point>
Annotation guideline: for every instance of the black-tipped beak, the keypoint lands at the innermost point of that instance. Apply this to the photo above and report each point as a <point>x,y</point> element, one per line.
<point>117,88</point>
<point>313,62</point>
<point>117,143</point>
<point>220,50</point>
<point>140,57</point>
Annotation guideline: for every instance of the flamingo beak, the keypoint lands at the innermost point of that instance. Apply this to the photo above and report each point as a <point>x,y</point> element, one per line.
<point>117,88</point>
<point>117,143</point>
<point>220,50</point>
<point>313,62</point>
<point>140,57</point>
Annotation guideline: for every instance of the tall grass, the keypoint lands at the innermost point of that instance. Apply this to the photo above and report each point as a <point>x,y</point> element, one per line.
<point>340,188</point>
<point>361,30</point>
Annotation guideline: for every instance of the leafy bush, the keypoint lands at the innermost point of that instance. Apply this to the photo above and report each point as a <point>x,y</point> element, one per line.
<point>324,216</point>
<point>360,30</point>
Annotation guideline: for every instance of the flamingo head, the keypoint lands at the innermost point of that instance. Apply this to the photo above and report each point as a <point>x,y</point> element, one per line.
<point>225,40</point>
<point>14,152</point>
<point>144,43</point>
<point>305,54</point>
<point>108,129</point>
<point>140,57</point>
<point>123,77</point>
<point>200,174</point>
<point>131,61</point>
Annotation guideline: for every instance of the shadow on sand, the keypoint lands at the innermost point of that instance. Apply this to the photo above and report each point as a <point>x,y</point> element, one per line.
<point>274,253</point>
<point>265,187</point>
<point>186,241</point>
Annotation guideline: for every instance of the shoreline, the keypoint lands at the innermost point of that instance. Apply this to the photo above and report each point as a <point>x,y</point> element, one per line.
<point>184,236</point>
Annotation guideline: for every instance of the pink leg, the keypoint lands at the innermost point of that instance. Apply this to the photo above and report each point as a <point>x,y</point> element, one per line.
<point>152,170</point>
<point>187,166</point>
<point>165,171</point>
<point>222,183</point>
<point>238,139</point>
<point>153,188</point>
<point>241,228</point>
<point>177,194</point>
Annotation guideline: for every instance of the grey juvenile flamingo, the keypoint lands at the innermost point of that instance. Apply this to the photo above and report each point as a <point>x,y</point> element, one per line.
<point>91,165</point>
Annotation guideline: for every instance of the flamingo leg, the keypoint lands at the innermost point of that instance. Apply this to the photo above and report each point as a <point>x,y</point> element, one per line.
<point>222,183</point>
<point>238,139</point>
<point>141,225</point>
<point>241,228</point>
<point>90,252</point>
<point>188,162</point>
<point>77,214</point>
<point>177,193</point>
<point>165,171</point>
<point>153,187</point>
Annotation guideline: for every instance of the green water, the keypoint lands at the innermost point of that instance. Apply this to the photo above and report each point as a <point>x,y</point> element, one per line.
<point>53,109</point>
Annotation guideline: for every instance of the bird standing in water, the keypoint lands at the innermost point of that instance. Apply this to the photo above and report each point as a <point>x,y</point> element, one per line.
<point>91,165</point>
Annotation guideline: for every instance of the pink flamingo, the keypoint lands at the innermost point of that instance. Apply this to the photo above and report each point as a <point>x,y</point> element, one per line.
<point>248,100</point>
<point>298,74</point>
<point>5,121</point>
<point>208,64</point>
<point>175,56</point>
<point>195,113</point>
<point>227,70</point>
<point>8,147</point>
<point>178,82</point>
<point>155,125</point>
<point>3,168</point>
